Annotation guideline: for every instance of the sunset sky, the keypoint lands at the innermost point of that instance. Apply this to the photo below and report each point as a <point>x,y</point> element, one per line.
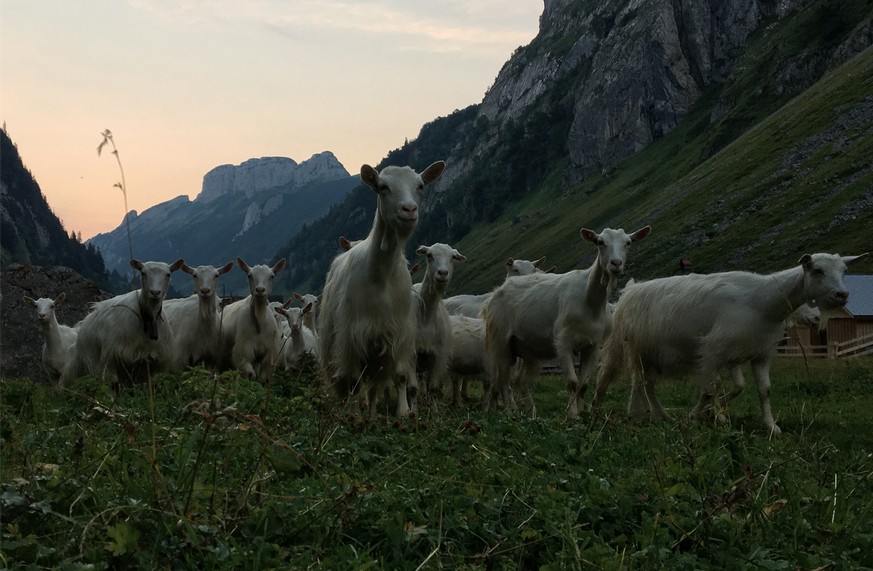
<point>188,85</point>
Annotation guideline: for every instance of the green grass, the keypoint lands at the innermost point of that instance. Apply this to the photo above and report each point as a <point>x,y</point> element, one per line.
<point>276,478</point>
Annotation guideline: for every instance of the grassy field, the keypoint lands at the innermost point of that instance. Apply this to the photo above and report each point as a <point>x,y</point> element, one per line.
<point>216,472</point>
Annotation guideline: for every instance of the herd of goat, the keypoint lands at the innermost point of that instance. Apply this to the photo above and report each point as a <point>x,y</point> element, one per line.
<point>372,330</point>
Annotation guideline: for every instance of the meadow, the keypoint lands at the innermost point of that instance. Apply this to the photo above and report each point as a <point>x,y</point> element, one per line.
<point>205,471</point>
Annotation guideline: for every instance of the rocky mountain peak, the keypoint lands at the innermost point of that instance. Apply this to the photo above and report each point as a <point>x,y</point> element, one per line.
<point>258,174</point>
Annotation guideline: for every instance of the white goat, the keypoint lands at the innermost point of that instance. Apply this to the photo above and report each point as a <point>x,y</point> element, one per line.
<point>195,320</point>
<point>366,326</point>
<point>433,335</point>
<point>543,316</point>
<point>127,332</point>
<point>59,339</point>
<point>703,324</point>
<point>309,316</point>
<point>250,335</point>
<point>300,338</point>
<point>471,304</point>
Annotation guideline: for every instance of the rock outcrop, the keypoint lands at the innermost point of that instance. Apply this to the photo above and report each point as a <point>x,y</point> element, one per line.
<point>256,175</point>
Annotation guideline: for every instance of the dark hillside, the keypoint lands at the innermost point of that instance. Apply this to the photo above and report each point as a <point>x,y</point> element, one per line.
<point>30,233</point>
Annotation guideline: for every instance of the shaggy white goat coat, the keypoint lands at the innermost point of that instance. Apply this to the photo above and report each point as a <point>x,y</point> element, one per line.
<point>59,339</point>
<point>366,326</point>
<point>195,320</point>
<point>250,335</point>
<point>467,354</point>
<point>127,336</point>
<point>703,324</point>
<point>542,316</point>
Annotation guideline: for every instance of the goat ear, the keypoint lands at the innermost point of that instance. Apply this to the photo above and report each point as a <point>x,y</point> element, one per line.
<point>852,259</point>
<point>421,250</point>
<point>539,263</point>
<point>279,265</point>
<point>589,235</point>
<point>414,269</point>
<point>135,264</point>
<point>552,270</point>
<point>369,176</point>
<point>457,256</point>
<point>288,303</point>
<point>297,296</point>
<point>805,261</point>
<point>641,233</point>
<point>433,172</point>
<point>308,308</point>
<point>177,264</point>
<point>30,301</point>
<point>344,244</point>
<point>225,268</point>
<point>509,262</point>
<point>242,265</point>
<point>187,269</point>
<point>60,298</point>
<point>280,309</point>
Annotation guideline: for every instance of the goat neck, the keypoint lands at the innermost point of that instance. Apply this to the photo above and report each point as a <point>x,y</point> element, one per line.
<point>258,309</point>
<point>150,313</point>
<point>600,284</point>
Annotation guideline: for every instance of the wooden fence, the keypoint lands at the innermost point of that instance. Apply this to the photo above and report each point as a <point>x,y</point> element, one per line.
<point>852,348</point>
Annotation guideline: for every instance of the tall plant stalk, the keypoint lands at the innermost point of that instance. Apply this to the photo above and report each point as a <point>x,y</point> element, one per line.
<point>108,140</point>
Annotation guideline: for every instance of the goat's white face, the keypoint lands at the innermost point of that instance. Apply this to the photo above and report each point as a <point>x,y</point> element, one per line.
<point>399,193</point>
<point>155,277</point>
<point>613,245</point>
<point>823,279</point>
<point>206,278</point>
<point>523,267</point>
<point>45,307</point>
<point>294,315</point>
<point>807,315</point>
<point>441,260</point>
<point>260,277</point>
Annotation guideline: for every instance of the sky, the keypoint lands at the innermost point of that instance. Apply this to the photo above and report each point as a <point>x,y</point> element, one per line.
<point>188,85</point>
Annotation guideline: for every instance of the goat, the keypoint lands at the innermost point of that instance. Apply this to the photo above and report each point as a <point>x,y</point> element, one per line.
<point>542,316</point>
<point>701,324</point>
<point>366,326</point>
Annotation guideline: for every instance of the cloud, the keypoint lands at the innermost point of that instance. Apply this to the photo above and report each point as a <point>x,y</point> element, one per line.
<point>484,27</point>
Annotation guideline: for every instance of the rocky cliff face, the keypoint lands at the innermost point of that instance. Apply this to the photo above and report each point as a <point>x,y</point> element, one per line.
<point>633,69</point>
<point>256,175</point>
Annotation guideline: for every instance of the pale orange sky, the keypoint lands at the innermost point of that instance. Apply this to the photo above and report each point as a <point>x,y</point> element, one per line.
<point>188,85</point>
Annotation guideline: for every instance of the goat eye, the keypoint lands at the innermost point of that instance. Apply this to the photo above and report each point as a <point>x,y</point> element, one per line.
<point>818,272</point>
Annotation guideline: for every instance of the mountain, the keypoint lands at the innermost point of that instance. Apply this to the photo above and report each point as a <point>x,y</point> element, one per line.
<point>30,233</point>
<point>710,120</point>
<point>246,210</point>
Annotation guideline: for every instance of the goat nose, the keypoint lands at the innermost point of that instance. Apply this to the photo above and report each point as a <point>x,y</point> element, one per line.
<point>842,296</point>
<point>260,289</point>
<point>205,290</point>
<point>616,263</point>
<point>442,273</point>
<point>410,207</point>
<point>155,292</point>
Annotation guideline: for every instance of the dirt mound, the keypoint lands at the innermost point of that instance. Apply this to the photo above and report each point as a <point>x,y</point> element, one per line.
<point>20,338</point>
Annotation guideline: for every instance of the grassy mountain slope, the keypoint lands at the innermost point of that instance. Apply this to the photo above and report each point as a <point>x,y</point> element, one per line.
<point>799,181</point>
<point>768,164</point>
